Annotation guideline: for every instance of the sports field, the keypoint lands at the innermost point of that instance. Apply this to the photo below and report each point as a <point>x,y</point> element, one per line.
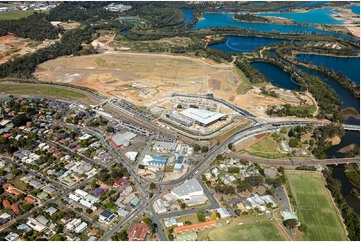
<point>314,206</point>
<point>255,232</point>
<point>39,91</point>
<point>15,14</point>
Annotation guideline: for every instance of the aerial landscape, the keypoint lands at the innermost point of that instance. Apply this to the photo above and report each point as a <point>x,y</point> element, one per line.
<point>179,120</point>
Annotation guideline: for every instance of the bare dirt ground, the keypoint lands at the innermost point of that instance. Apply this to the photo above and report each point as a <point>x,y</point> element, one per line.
<point>258,103</point>
<point>142,78</point>
<point>66,25</point>
<point>15,46</point>
<point>145,78</point>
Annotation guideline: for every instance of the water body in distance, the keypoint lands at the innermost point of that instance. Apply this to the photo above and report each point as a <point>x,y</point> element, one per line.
<point>303,5</point>
<point>346,186</point>
<point>315,16</point>
<point>355,9</point>
<point>244,44</point>
<point>126,31</point>
<point>276,75</point>
<point>350,67</point>
<point>223,20</point>
<point>188,14</point>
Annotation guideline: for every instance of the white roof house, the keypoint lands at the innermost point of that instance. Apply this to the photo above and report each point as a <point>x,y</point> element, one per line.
<point>91,199</point>
<point>160,206</point>
<point>12,237</point>
<point>81,193</point>
<point>203,117</point>
<point>74,197</point>
<point>81,227</point>
<point>35,225</point>
<point>188,189</point>
<point>169,222</point>
<point>223,212</point>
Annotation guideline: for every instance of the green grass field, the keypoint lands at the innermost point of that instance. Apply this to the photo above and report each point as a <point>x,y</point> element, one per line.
<point>256,232</point>
<point>19,184</point>
<point>16,14</point>
<point>39,91</point>
<point>268,147</point>
<point>314,207</point>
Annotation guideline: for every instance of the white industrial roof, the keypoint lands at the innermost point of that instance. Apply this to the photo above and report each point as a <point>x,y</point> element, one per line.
<point>201,115</point>
<point>188,187</point>
<point>123,139</point>
<point>131,155</point>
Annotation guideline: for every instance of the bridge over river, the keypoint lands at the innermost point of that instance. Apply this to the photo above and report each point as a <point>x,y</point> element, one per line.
<point>294,162</point>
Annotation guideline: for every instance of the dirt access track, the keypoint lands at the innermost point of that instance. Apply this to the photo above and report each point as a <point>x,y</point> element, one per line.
<point>141,78</point>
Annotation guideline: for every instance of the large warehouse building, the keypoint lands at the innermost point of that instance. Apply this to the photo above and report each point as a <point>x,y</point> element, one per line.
<point>188,190</point>
<point>203,117</point>
<point>122,140</point>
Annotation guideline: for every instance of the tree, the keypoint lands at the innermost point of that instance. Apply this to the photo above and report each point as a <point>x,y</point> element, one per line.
<point>88,210</point>
<point>80,210</point>
<point>281,169</point>
<point>196,147</point>
<point>110,129</point>
<point>170,237</point>
<point>183,205</point>
<point>152,186</point>
<point>290,223</point>
<point>283,130</point>
<point>233,169</point>
<point>187,222</point>
<point>201,217</point>
<point>123,235</point>
<point>302,228</point>
<point>231,146</point>
<point>205,149</point>
<point>179,106</point>
<point>295,142</point>
<point>219,157</point>
<point>254,180</point>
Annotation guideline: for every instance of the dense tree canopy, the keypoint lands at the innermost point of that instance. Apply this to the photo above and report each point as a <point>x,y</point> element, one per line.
<point>35,27</point>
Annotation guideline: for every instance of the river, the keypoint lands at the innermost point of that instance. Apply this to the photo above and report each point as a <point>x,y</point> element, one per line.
<point>314,16</point>
<point>350,67</point>
<point>244,44</point>
<point>346,186</point>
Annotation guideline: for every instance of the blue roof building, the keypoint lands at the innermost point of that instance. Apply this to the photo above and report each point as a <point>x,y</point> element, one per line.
<point>158,161</point>
<point>179,160</point>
